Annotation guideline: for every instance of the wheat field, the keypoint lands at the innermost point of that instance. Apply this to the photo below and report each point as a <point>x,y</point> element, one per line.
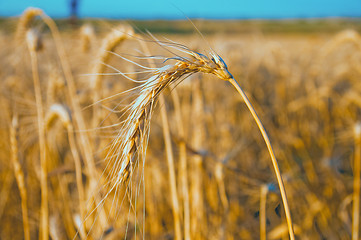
<point>110,132</point>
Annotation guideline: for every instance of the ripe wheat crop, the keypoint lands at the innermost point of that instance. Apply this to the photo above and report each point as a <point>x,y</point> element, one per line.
<point>116,134</point>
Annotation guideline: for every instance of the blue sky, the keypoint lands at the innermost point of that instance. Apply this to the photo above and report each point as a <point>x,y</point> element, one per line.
<point>177,9</point>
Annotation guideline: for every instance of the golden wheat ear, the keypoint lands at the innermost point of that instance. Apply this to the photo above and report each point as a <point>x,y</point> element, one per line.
<point>133,137</point>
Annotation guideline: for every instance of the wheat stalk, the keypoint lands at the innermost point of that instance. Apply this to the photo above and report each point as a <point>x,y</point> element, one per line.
<point>197,141</point>
<point>356,184</point>
<point>171,170</point>
<point>262,211</point>
<point>19,175</point>
<point>133,136</point>
<point>271,153</point>
<point>28,15</point>
<point>44,212</point>
<point>86,148</point>
<point>182,164</point>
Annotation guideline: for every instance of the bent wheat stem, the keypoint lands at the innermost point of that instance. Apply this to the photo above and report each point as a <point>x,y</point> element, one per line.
<point>271,153</point>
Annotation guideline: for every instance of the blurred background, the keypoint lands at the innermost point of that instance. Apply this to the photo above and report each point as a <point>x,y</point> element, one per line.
<point>284,16</point>
<point>299,62</point>
<point>161,9</point>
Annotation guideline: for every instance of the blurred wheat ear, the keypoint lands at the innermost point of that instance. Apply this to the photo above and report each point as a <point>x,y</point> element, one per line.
<point>133,135</point>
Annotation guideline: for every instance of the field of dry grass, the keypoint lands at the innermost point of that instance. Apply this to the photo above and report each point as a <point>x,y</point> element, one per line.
<point>207,173</point>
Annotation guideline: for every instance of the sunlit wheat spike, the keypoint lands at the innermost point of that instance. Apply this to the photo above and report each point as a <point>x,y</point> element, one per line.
<point>134,134</point>
<point>135,129</point>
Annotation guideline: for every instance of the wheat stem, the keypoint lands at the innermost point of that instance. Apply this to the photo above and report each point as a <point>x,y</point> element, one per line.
<point>262,211</point>
<point>87,151</point>
<point>44,212</point>
<point>356,184</point>
<point>171,170</point>
<point>218,172</point>
<point>196,187</point>
<point>86,148</point>
<point>271,153</point>
<point>19,174</point>
<point>182,165</point>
